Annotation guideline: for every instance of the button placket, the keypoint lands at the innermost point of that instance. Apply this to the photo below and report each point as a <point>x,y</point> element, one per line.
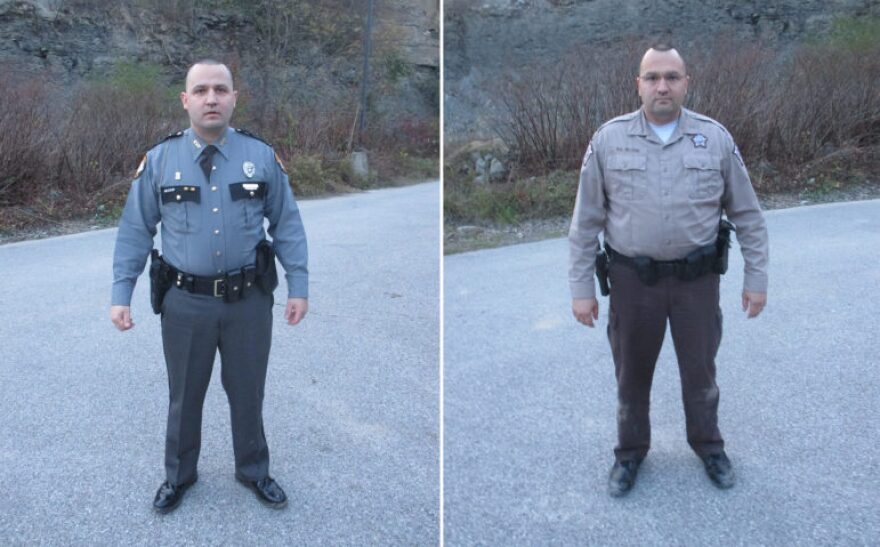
<point>217,247</point>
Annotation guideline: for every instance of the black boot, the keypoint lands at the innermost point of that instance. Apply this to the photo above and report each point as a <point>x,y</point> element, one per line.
<point>623,477</point>
<point>719,469</point>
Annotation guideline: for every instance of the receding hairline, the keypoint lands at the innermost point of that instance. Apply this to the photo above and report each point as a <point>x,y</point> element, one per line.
<point>209,62</point>
<point>663,47</point>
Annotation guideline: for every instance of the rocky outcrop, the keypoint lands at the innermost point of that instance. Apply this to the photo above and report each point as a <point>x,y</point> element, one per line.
<point>75,39</point>
<point>485,38</point>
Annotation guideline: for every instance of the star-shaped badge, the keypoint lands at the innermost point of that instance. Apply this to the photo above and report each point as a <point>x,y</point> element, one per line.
<point>699,140</point>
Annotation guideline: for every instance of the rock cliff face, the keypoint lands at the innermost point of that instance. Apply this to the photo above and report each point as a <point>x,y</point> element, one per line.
<point>484,38</point>
<point>74,39</point>
<point>414,26</point>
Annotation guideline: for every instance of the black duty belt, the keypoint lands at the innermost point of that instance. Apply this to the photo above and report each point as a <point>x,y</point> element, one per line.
<point>663,268</point>
<point>697,263</point>
<point>232,286</point>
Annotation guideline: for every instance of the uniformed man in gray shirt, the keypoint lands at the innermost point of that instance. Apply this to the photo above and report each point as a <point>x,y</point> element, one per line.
<point>656,182</point>
<point>211,187</point>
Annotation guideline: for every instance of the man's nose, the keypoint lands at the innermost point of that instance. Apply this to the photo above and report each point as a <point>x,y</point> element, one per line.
<point>662,86</point>
<point>212,98</point>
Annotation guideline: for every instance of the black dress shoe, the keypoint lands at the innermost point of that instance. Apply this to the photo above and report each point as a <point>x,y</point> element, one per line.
<point>169,496</point>
<point>719,470</point>
<point>267,490</point>
<point>623,477</point>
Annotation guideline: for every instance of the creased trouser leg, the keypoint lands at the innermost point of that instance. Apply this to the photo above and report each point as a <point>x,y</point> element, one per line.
<point>189,338</point>
<point>695,322</point>
<point>636,327</point>
<point>245,339</point>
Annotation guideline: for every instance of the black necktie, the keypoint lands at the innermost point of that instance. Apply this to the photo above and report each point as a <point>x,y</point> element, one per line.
<point>206,160</point>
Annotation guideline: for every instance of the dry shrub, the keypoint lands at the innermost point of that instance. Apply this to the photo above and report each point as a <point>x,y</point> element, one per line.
<point>828,99</point>
<point>309,129</point>
<point>107,131</point>
<point>733,83</point>
<point>785,110</point>
<point>548,114</point>
<point>407,134</point>
<point>790,110</point>
<point>25,139</point>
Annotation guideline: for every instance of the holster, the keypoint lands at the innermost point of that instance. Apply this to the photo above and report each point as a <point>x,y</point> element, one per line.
<point>646,269</point>
<point>722,245</point>
<point>265,270</point>
<point>160,281</point>
<point>602,272</point>
<point>698,262</point>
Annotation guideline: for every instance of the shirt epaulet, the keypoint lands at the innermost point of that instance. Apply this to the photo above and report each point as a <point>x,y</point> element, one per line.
<point>622,118</point>
<point>707,119</point>
<point>251,135</point>
<point>169,137</point>
<point>143,161</point>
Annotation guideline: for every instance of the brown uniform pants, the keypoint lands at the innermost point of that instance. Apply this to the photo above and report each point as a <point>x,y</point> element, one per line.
<point>636,328</point>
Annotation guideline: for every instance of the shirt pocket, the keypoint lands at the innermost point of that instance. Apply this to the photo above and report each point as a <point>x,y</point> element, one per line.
<point>626,176</point>
<point>181,208</point>
<point>249,197</point>
<point>703,176</point>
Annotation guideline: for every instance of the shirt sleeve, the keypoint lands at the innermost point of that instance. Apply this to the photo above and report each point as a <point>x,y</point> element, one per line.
<point>742,208</point>
<point>287,232</point>
<point>134,239</point>
<point>587,222</point>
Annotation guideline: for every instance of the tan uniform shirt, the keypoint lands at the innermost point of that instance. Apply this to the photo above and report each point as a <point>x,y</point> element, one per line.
<point>663,200</point>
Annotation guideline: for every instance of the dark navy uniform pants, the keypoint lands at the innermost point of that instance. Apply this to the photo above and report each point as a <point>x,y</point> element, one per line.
<point>194,327</point>
<point>637,325</point>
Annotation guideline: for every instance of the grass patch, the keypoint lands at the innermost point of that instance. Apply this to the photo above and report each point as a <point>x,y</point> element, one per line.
<point>535,197</point>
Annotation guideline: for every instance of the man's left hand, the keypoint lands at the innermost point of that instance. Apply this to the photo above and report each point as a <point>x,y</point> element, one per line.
<point>296,310</point>
<point>754,303</point>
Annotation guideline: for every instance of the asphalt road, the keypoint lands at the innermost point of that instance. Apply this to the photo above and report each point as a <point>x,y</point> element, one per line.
<point>530,402</point>
<point>351,408</point>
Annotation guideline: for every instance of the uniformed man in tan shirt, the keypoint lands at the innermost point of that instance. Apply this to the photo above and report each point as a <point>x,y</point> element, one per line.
<point>656,182</point>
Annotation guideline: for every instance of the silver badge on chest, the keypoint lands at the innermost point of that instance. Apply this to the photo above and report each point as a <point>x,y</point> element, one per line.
<point>249,169</point>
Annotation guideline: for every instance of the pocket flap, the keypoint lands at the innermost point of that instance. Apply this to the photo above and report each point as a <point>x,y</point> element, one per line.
<point>627,162</point>
<point>708,163</point>
<point>247,190</point>
<point>174,194</point>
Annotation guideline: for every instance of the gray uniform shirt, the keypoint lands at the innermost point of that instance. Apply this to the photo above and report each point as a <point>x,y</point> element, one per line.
<point>209,227</point>
<point>663,200</point>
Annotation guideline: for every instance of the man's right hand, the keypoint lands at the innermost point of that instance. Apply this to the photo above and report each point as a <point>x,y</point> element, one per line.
<point>585,310</point>
<point>121,317</point>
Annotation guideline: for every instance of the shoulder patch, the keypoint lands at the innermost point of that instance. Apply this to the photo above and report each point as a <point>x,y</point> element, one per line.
<point>143,162</point>
<point>280,163</point>
<point>738,155</point>
<point>587,154</point>
<point>140,168</point>
<point>251,135</point>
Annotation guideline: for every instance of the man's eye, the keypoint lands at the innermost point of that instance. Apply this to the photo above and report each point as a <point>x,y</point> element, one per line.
<point>673,78</point>
<point>651,78</point>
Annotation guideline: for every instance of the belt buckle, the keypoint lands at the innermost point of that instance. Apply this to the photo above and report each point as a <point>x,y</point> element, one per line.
<point>216,283</point>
